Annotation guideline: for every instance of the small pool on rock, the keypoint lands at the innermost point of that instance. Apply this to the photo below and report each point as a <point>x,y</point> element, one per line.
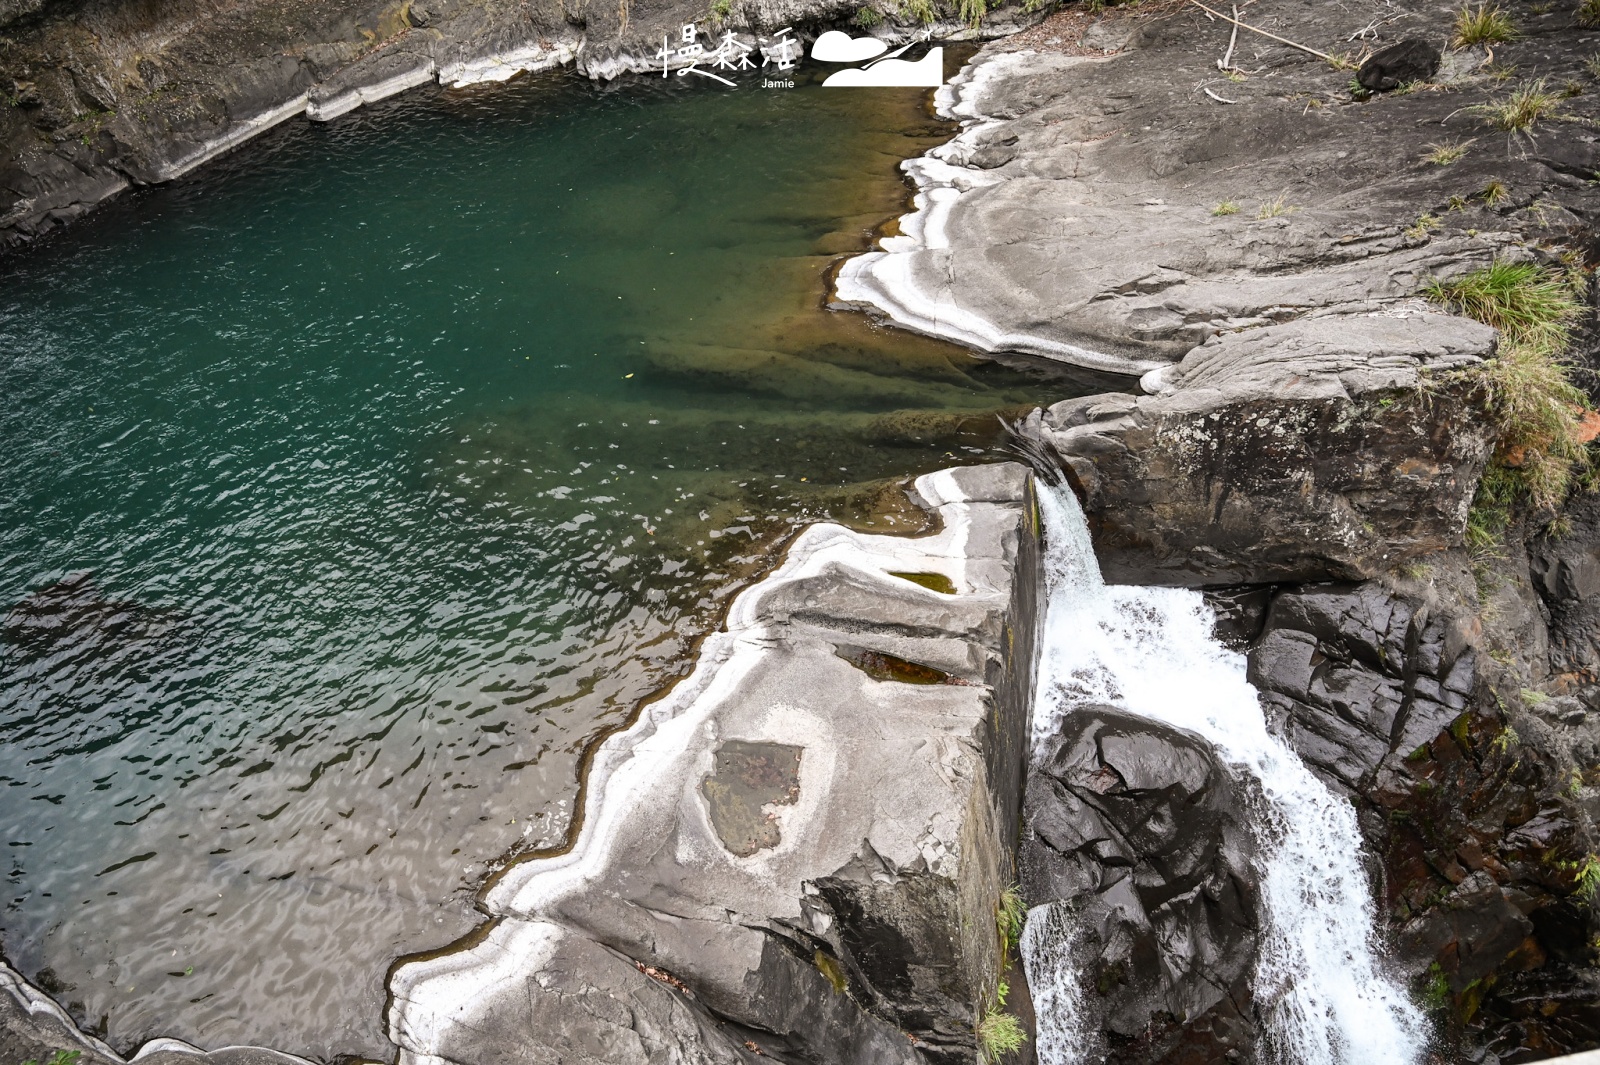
<point>353,488</point>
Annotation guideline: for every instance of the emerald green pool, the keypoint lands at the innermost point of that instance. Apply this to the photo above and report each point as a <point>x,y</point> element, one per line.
<point>404,456</point>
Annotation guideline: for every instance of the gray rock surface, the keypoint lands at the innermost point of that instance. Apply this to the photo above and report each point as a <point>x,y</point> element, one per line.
<point>801,848</point>
<point>1144,834</point>
<point>1119,211</point>
<point>1252,245</point>
<point>1332,446</point>
<point>33,1028</point>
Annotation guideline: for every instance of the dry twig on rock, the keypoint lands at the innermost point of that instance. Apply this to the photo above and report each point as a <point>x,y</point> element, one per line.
<point>1257,29</point>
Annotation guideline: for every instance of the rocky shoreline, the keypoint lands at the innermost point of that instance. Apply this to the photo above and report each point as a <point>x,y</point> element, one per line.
<point>97,97</point>
<point>1255,242</point>
<point>1309,453</point>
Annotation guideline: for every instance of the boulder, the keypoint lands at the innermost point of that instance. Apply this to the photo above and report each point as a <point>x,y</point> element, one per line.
<point>1331,447</point>
<point>1354,673</point>
<point>1141,831</point>
<point>803,845</point>
<point>1398,64</point>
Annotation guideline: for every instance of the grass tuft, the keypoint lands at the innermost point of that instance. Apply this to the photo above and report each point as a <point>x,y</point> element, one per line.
<point>1275,208</point>
<point>60,1057</point>
<point>1445,154</point>
<point>999,1034</point>
<point>1010,914</point>
<point>1587,879</point>
<point>1522,109</point>
<point>1424,225</point>
<point>1495,192</point>
<point>1533,306</point>
<point>1527,389</point>
<point>1592,65</point>
<point>1588,13</point>
<point>1226,207</point>
<point>1482,25</point>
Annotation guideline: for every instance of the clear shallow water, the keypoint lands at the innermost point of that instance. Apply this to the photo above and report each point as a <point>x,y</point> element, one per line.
<point>404,456</point>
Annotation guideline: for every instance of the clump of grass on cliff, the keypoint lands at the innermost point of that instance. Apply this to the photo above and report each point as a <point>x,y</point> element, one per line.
<point>999,1034</point>
<point>1589,13</point>
<point>1527,389</point>
<point>1482,25</point>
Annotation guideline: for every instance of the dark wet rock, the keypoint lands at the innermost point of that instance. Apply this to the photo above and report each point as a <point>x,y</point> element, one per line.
<point>1483,846</point>
<point>805,841</point>
<point>1398,64</point>
<point>1144,834</point>
<point>1354,673</point>
<point>1241,612</point>
<point>1471,804</point>
<point>1566,574</point>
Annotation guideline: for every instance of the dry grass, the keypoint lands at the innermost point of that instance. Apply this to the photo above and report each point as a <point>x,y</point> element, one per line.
<point>1424,225</point>
<point>1519,112</point>
<point>1495,193</point>
<point>1482,25</point>
<point>1275,208</point>
<point>1226,207</point>
<point>1445,154</point>
<point>1527,388</point>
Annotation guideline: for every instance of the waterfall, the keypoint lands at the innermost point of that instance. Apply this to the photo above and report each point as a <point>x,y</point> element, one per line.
<point>1321,992</point>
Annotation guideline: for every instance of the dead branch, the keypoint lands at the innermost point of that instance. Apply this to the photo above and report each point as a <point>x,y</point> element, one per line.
<point>1264,33</point>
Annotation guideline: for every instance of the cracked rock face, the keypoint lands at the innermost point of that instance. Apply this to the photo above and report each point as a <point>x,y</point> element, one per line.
<point>1356,674</point>
<point>1144,834</point>
<point>798,852</point>
<point>1328,447</point>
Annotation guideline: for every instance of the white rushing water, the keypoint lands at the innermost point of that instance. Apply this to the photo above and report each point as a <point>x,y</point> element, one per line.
<point>1319,987</point>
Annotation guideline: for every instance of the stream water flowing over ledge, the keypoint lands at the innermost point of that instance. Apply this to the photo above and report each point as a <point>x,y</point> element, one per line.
<point>1319,983</point>
<point>354,485</point>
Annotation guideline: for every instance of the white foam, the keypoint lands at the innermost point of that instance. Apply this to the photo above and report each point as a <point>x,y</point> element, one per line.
<point>1320,985</point>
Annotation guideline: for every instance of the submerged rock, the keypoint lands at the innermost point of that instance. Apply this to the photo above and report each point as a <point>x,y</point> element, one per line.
<point>73,614</point>
<point>1142,831</point>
